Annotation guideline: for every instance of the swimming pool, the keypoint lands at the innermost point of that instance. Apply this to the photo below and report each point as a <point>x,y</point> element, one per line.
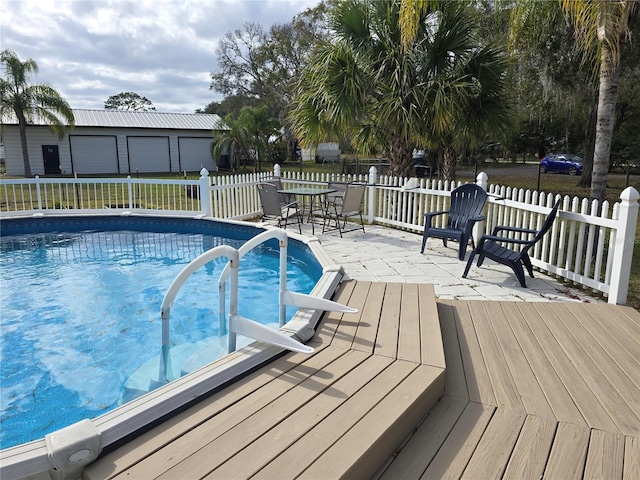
<point>170,254</point>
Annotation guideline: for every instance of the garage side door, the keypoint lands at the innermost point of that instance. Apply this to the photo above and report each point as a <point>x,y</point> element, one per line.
<point>94,154</point>
<point>149,154</point>
<point>195,153</point>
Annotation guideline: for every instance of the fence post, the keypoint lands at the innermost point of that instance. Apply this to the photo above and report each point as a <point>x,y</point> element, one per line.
<point>38,193</point>
<point>478,228</point>
<point>130,190</point>
<point>373,177</point>
<point>623,249</point>
<point>276,170</point>
<point>206,200</point>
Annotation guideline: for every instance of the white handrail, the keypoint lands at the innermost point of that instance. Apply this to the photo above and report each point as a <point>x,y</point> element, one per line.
<point>285,297</point>
<point>237,323</point>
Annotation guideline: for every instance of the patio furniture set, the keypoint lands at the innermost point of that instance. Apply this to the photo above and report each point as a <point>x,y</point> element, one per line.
<point>336,202</point>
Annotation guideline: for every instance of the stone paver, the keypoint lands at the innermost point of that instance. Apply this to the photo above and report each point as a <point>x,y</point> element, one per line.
<point>388,255</point>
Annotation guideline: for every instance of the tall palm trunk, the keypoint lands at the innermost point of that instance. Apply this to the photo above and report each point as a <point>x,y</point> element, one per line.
<point>609,83</point>
<point>449,164</point>
<point>590,142</point>
<point>400,157</point>
<point>22,126</point>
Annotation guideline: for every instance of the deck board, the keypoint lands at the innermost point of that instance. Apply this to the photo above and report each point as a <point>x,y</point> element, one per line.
<point>622,344</point>
<point>561,403</point>
<point>459,446</point>
<point>477,380</point>
<point>531,451</point>
<point>490,458</point>
<point>187,446</point>
<point>532,396</point>
<point>358,452</point>
<point>389,326</point>
<point>427,440</point>
<point>568,452</point>
<point>617,408</point>
<point>573,436</point>
<point>631,467</point>
<point>504,385</point>
<point>531,390</point>
<point>255,456</point>
<point>367,330</point>
<point>295,459</point>
<point>432,350</point>
<point>409,331</point>
<point>606,455</point>
<point>586,401</point>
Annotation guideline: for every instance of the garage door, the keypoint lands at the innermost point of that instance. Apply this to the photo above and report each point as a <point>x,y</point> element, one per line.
<point>195,153</point>
<point>94,154</point>
<point>149,154</point>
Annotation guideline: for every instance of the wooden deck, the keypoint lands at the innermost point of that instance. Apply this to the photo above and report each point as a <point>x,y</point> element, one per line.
<point>530,390</point>
<point>533,390</point>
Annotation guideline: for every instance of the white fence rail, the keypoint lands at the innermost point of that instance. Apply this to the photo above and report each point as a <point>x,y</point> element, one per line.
<point>587,245</point>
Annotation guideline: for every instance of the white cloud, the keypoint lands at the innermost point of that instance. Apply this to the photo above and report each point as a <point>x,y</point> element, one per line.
<point>161,49</point>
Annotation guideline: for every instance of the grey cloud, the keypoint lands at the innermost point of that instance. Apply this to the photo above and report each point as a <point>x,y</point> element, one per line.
<point>163,50</point>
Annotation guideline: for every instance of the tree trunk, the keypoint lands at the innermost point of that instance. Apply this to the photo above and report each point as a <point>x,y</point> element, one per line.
<point>590,141</point>
<point>400,158</point>
<point>22,126</point>
<point>607,98</point>
<point>449,164</point>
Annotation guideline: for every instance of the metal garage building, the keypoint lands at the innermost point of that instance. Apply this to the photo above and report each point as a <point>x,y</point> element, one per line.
<point>116,141</point>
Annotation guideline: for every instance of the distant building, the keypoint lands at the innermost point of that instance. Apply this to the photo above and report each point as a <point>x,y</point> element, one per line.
<point>116,141</point>
<point>325,152</point>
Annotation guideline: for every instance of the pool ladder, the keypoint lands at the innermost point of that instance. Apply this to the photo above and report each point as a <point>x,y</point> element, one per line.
<point>238,324</point>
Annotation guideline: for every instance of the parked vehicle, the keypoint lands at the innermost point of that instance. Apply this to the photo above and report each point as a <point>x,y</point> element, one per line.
<point>562,163</point>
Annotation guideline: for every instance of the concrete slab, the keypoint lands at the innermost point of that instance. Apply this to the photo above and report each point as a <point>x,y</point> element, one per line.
<point>387,255</point>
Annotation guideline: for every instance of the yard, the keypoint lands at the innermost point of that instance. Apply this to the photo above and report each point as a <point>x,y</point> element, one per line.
<point>514,175</point>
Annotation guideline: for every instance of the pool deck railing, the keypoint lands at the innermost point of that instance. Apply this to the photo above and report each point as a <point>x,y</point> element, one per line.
<point>413,387</point>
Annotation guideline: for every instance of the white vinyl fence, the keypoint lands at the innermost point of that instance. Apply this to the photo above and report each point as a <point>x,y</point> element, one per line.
<point>589,244</point>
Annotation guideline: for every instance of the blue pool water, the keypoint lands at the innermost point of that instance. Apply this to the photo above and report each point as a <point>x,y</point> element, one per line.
<point>80,310</point>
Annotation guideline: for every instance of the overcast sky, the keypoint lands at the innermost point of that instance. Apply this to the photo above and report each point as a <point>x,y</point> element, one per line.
<point>160,49</point>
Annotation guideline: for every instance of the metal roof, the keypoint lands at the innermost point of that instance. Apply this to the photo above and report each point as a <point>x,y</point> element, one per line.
<point>131,119</point>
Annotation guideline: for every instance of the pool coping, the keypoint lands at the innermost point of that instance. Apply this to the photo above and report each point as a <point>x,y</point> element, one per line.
<point>133,417</point>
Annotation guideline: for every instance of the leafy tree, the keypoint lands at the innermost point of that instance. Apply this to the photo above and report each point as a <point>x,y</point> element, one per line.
<point>441,89</point>
<point>129,101</point>
<point>29,101</point>
<point>260,68</point>
<point>602,25</point>
<point>247,138</point>
<point>554,89</point>
<point>229,105</point>
<point>241,63</point>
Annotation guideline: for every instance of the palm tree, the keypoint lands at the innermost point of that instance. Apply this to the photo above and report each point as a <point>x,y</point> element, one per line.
<point>30,101</point>
<point>247,137</point>
<point>389,96</point>
<point>604,25</point>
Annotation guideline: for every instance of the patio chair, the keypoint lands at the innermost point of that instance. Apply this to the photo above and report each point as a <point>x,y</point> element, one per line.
<point>341,188</point>
<point>273,206</point>
<point>277,182</point>
<point>343,207</point>
<point>467,202</point>
<point>334,197</point>
<point>493,247</point>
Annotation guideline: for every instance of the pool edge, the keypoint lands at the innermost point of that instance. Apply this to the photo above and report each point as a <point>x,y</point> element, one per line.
<point>34,458</point>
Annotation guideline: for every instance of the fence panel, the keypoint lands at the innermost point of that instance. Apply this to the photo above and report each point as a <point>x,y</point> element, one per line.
<point>588,244</point>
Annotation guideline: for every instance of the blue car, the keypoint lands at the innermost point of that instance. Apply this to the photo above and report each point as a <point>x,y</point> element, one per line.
<point>562,163</point>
